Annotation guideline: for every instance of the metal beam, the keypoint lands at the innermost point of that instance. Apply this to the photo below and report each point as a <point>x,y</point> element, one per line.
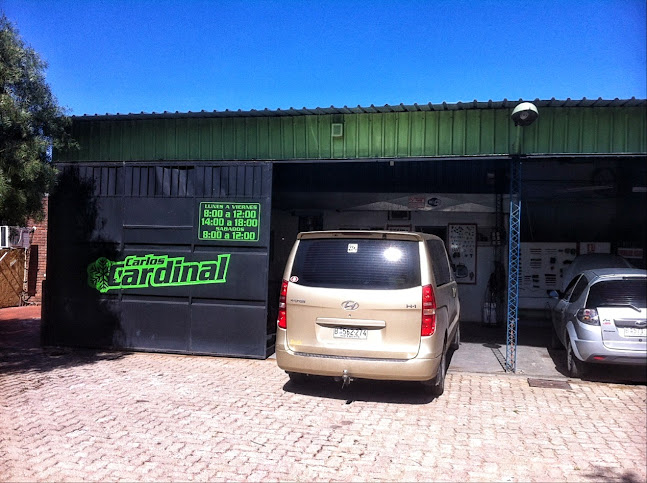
<point>513,264</point>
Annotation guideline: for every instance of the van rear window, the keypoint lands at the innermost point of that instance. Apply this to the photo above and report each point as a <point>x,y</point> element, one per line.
<point>357,263</point>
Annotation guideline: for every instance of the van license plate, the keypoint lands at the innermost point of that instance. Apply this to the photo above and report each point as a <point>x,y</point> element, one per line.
<point>635,332</point>
<point>346,333</point>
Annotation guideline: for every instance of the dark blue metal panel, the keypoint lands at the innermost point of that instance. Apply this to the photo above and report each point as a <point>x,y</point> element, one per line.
<point>133,269</point>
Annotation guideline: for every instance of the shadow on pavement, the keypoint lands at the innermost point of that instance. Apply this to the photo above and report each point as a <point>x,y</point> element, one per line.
<point>611,475</point>
<point>21,351</point>
<point>392,392</point>
<point>532,335</point>
<point>15,360</point>
<point>609,373</point>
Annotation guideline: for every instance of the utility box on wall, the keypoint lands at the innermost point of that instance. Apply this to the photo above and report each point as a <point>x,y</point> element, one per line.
<point>160,256</point>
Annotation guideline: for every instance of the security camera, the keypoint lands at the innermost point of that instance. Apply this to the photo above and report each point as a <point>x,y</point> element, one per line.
<point>524,114</point>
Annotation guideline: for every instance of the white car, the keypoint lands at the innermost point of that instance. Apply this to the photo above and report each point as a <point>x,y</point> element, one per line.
<point>601,318</point>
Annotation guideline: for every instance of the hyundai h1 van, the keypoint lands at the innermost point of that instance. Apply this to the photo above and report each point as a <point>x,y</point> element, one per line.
<point>368,304</point>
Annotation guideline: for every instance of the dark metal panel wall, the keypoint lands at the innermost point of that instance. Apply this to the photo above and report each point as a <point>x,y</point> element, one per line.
<point>403,177</point>
<point>181,291</point>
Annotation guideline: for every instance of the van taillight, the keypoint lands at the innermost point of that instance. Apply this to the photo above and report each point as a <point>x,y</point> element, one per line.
<point>428,311</point>
<point>282,320</point>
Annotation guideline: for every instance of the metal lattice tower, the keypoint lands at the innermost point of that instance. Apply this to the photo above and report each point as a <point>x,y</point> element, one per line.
<point>513,264</point>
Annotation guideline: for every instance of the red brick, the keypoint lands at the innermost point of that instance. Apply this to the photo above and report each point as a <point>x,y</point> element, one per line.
<point>38,248</point>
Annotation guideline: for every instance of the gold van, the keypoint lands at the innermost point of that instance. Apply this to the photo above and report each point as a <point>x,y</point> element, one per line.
<point>368,304</point>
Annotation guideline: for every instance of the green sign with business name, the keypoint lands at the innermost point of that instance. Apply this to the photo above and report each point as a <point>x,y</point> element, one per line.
<point>155,271</point>
<point>225,221</point>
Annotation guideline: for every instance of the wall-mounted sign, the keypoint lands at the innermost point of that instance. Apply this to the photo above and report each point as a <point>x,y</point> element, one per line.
<point>229,221</point>
<point>155,271</point>
<point>416,202</point>
<point>398,227</point>
<point>593,247</point>
<point>630,252</point>
<point>423,202</point>
<point>462,251</point>
<point>542,267</point>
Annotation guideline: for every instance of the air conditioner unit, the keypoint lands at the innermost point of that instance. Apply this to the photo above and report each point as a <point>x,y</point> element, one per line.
<point>4,237</point>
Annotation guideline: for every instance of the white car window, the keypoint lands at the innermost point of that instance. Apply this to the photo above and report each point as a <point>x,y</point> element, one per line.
<point>569,288</point>
<point>579,288</point>
<point>611,293</point>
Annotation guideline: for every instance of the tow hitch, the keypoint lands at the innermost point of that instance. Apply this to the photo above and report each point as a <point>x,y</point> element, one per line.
<point>345,379</point>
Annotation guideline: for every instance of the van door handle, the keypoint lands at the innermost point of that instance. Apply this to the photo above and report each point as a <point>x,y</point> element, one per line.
<point>454,292</point>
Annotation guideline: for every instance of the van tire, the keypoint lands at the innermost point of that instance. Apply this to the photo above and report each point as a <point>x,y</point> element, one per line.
<point>456,341</point>
<point>436,386</point>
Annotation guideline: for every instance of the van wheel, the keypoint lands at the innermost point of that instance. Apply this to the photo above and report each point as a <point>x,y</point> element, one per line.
<point>297,377</point>
<point>574,366</point>
<point>456,342</point>
<point>436,386</point>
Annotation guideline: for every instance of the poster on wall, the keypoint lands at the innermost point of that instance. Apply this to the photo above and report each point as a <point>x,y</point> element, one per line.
<point>542,267</point>
<point>461,239</point>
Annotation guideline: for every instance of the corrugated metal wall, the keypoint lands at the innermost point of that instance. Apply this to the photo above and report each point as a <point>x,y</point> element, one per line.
<point>242,180</point>
<point>572,130</point>
<point>110,211</point>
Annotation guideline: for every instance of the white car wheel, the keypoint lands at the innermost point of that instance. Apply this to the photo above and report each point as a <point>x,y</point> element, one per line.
<point>575,367</point>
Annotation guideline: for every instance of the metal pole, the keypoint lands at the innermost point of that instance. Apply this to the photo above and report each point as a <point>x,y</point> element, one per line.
<point>513,264</point>
<point>523,115</point>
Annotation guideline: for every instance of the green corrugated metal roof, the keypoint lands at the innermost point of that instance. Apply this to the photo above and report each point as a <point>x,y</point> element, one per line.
<point>564,127</point>
<point>444,106</point>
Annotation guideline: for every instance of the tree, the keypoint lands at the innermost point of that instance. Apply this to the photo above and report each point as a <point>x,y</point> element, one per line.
<point>31,125</point>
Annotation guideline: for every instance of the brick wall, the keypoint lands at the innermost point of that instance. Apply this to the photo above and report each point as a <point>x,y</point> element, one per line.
<point>37,258</point>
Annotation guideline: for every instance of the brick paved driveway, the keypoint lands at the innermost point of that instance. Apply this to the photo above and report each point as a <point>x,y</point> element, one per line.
<point>82,415</point>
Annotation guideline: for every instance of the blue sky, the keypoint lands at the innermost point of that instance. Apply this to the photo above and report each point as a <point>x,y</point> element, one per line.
<point>188,55</point>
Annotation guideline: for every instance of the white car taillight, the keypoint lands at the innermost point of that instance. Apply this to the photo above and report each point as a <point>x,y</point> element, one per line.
<point>588,316</point>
